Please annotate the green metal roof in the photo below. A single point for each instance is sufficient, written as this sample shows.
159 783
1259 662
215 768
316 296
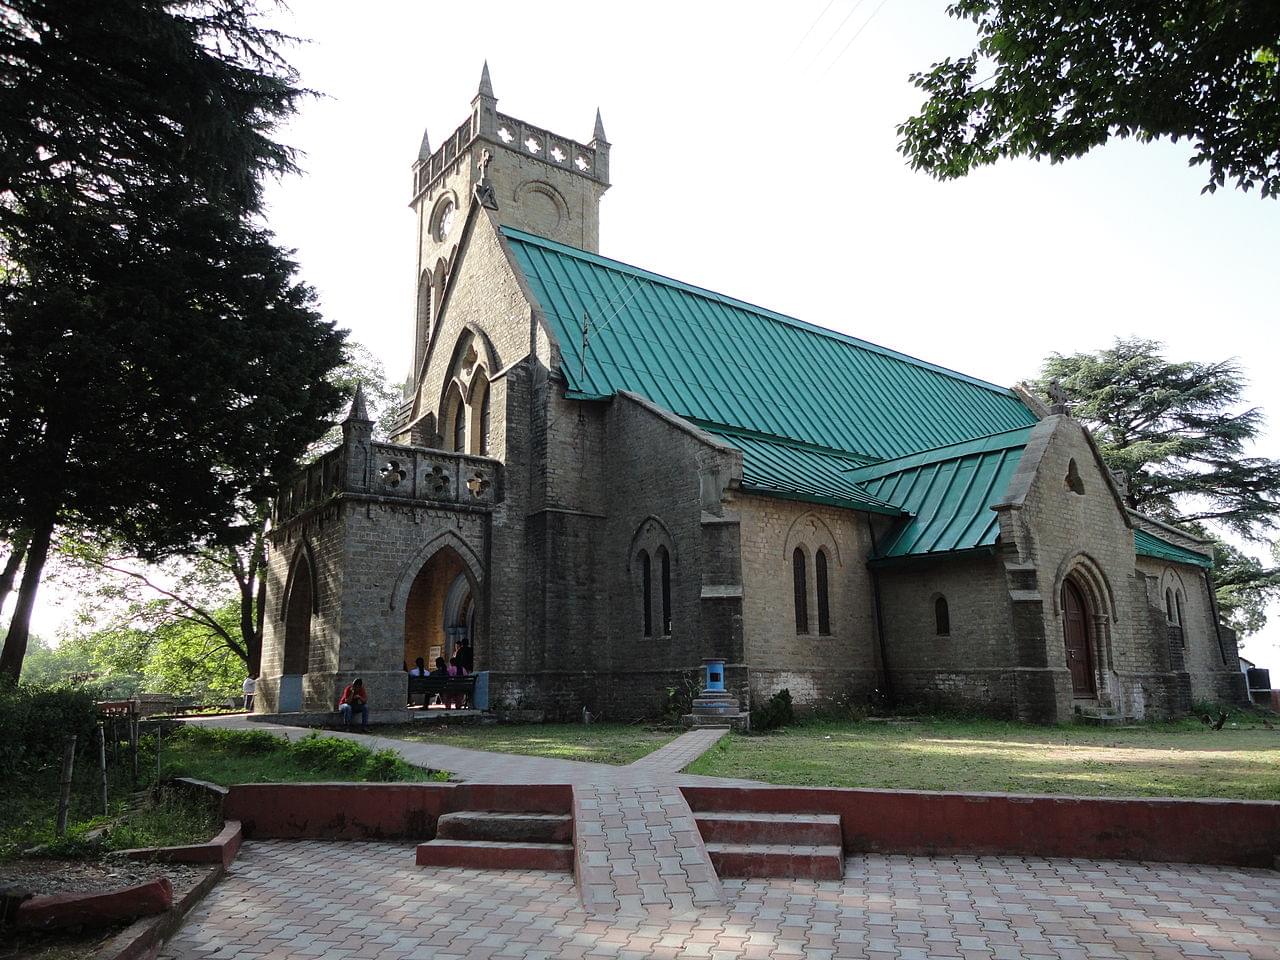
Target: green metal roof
800 472
949 491
1149 545
721 361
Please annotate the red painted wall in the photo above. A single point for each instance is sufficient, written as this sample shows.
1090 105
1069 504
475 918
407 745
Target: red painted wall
375 811
1238 832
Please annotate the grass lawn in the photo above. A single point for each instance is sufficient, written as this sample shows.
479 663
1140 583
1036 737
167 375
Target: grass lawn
616 743
1182 759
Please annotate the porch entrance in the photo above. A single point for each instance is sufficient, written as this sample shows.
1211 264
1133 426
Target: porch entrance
440 615
1075 627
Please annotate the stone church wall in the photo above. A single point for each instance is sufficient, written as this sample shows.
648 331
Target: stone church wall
1211 661
818 670
968 667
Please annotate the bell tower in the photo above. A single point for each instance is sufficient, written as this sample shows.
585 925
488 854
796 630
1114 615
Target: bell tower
536 181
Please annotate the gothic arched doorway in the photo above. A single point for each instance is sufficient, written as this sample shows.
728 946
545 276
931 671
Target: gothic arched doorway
1076 619
297 617
441 609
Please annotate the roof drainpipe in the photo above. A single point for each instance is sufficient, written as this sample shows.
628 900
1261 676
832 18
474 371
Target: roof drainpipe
885 684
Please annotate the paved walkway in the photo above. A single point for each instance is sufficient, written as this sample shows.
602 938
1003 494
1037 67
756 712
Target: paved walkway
310 899
637 848
482 766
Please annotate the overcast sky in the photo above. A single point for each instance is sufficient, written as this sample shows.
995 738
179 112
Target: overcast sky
754 153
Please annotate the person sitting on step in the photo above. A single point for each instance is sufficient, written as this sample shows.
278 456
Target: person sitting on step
355 699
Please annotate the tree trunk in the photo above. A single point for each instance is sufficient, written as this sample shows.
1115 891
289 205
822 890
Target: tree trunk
255 648
11 567
15 642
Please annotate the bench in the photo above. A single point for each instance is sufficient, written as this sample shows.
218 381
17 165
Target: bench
460 689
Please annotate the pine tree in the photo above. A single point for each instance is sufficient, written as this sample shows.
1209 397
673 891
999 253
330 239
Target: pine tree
160 364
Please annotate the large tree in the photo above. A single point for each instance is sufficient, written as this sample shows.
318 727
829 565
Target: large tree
159 361
1177 436
1052 80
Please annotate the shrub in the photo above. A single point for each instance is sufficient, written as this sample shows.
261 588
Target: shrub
243 743
778 712
331 755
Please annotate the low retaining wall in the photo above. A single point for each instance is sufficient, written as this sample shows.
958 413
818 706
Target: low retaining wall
1236 832
375 811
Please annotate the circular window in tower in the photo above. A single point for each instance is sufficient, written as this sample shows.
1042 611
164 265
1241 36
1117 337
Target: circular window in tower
444 220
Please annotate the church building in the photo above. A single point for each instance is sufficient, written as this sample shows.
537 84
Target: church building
604 476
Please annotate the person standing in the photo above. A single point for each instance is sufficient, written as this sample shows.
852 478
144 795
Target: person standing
355 699
250 685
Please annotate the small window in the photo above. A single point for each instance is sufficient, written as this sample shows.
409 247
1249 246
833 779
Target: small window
664 566
1168 605
942 617
646 592
1074 483
801 591
824 605
460 427
1177 610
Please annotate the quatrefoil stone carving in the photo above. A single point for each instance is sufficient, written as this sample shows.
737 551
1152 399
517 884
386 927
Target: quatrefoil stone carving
437 481
392 474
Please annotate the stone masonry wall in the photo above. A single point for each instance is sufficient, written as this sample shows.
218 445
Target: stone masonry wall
968 667
816 669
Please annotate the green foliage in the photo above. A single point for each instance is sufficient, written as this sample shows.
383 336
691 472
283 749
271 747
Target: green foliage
160 364
1176 434
777 712
170 818
236 756
678 699
1051 80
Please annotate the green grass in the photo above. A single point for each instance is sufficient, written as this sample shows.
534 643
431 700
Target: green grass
233 756
1183 759
615 743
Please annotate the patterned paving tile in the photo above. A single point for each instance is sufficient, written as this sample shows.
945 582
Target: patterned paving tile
367 900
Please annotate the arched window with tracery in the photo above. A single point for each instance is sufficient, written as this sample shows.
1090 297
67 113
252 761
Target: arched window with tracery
664 569
646 592
941 617
801 589
824 604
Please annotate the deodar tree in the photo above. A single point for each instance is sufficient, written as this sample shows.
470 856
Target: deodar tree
1053 80
160 364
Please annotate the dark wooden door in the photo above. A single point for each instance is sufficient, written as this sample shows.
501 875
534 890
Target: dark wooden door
1076 630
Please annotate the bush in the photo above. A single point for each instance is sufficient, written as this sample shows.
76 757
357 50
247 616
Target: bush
35 721
778 712
242 743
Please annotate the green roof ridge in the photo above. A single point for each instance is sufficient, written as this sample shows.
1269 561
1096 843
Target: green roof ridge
754 308
729 429
948 451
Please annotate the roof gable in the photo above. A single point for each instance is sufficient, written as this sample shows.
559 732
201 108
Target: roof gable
720 361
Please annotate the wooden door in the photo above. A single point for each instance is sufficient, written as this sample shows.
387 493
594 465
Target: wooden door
1075 626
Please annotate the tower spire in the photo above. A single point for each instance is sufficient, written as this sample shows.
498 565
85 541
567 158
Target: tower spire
424 151
598 133
486 85
359 412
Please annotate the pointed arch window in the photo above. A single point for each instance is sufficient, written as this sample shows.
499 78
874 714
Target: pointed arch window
484 422
1168 605
460 427
941 617
824 604
646 592
801 589
664 569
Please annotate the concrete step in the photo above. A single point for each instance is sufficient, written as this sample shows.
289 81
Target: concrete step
809 829
496 855
792 861
505 826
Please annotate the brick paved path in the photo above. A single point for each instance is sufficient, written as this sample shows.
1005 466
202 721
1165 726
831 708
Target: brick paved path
639 852
366 900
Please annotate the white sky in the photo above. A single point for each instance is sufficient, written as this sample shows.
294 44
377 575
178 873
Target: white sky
757 160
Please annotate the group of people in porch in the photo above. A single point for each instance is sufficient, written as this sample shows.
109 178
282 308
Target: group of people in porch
458 665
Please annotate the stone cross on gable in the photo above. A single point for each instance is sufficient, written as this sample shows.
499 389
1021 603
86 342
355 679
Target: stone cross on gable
485 159
1059 396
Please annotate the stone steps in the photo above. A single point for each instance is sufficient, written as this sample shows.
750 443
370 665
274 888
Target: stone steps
500 840
496 855
503 825
811 829
792 861
792 845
